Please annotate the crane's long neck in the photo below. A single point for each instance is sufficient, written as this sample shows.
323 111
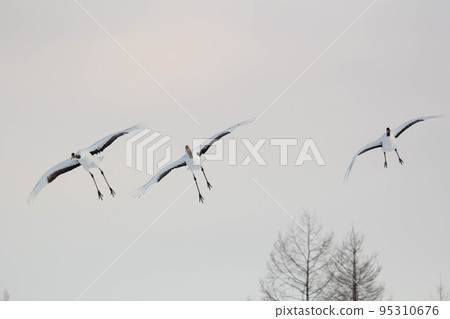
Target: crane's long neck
188 150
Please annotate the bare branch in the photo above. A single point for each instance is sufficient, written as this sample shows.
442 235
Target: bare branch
298 265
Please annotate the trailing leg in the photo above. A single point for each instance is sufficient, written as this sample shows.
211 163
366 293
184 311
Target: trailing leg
207 182
399 159
100 196
200 197
110 189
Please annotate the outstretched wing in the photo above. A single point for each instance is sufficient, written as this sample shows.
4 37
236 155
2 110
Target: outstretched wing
160 175
52 174
368 147
399 130
100 145
204 147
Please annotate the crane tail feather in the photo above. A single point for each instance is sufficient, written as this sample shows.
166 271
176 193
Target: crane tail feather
139 192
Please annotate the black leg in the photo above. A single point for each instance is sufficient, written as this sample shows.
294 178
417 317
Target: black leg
399 159
207 182
110 189
200 197
100 196
385 161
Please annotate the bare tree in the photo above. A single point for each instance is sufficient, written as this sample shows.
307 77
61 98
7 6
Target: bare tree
297 269
441 293
5 295
354 276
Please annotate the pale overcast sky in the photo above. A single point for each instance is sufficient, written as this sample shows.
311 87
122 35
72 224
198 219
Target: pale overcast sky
64 84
